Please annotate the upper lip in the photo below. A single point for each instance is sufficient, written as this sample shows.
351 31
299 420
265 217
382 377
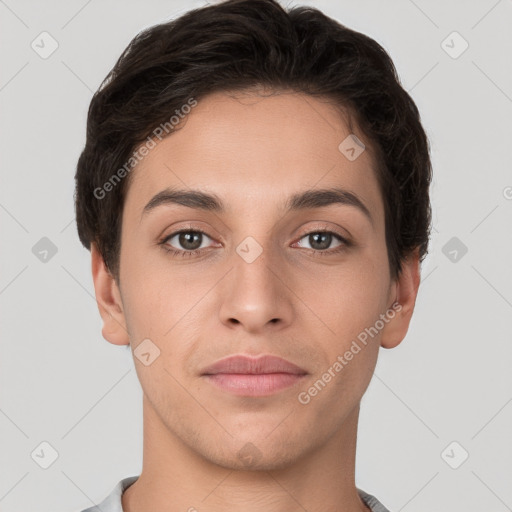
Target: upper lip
250 365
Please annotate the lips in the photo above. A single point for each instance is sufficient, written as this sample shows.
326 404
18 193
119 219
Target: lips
240 364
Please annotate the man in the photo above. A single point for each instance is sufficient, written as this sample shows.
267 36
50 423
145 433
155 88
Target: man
254 191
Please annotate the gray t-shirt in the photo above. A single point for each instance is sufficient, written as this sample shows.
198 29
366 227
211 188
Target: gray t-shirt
112 503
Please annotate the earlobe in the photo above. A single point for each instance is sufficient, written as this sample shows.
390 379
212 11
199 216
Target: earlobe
407 286
109 301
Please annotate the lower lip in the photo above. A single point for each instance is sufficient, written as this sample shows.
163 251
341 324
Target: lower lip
254 385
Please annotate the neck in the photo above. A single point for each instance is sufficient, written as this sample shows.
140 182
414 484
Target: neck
176 478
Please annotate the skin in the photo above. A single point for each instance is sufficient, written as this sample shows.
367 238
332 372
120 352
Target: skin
292 301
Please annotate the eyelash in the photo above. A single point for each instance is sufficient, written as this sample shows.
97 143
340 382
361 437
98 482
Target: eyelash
189 253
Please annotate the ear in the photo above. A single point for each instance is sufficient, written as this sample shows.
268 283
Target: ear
109 301
405 292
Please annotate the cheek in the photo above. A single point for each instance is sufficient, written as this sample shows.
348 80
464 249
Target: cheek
144 302
349 304
348 297
168 307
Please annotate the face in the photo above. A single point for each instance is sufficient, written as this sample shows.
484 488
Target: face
255 273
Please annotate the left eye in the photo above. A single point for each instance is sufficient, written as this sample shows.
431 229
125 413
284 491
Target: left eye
322 239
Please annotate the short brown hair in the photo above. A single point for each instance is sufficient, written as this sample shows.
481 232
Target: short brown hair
235 45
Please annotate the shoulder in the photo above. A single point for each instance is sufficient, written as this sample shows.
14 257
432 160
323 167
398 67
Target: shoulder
372 502
112 502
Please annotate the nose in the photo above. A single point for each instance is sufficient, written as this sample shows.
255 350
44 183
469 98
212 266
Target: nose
256 295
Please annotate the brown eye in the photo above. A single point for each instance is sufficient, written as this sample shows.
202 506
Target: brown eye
186 240
322 240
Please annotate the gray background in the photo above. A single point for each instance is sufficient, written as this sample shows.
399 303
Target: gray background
450 379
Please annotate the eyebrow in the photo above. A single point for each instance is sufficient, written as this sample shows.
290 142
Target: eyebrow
299 201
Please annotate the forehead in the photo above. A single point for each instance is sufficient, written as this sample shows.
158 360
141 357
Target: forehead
256 151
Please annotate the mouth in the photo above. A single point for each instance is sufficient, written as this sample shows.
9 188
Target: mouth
246 376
